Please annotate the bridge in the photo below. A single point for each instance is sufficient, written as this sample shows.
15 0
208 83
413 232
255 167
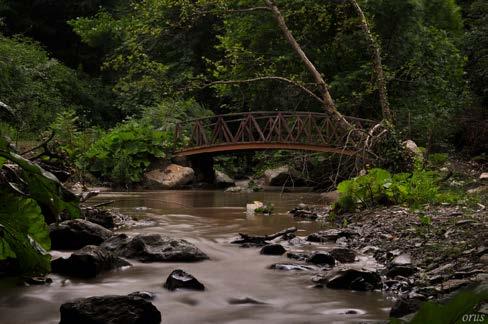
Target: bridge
263 130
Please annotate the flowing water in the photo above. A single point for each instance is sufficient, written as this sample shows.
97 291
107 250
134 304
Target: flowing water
209 219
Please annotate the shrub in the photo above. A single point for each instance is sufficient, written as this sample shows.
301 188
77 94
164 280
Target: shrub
122 154
380 187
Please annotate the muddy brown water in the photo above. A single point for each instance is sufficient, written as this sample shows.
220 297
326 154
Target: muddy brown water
209 219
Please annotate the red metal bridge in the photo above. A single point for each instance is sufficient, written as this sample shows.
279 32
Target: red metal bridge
264 130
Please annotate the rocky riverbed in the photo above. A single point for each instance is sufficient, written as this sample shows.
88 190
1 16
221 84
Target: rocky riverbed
422 254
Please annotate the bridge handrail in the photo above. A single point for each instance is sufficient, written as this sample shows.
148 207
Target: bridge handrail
320 128
272 112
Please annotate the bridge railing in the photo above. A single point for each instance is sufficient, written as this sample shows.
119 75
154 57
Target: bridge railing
263 127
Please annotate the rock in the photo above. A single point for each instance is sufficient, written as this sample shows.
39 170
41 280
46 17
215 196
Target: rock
245 300
173 176
442 269
238 189
291 267
330 197
402 259
181 279
101 217
343 255
451 285
222 180
478 190
412 148
273 249
87 262
354 279
283 176
303 214
484 176
370 249
110 310
77 233
144 294
465 221
322 258
154 248
401 270
38 281
251 208
298 256
405 306
484 259
330 235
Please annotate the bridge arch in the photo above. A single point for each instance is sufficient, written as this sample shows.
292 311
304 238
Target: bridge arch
264 130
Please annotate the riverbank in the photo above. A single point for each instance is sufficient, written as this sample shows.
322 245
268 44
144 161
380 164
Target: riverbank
423 254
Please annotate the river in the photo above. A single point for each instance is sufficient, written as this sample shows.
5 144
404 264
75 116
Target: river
209 219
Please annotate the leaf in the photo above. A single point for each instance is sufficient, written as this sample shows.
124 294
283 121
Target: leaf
463 303
24 233
45 188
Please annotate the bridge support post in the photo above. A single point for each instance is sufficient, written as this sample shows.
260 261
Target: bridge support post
203 165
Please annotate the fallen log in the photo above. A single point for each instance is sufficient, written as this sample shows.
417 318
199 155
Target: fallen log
262 239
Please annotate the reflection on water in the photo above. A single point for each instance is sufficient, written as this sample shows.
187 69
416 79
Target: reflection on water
210 219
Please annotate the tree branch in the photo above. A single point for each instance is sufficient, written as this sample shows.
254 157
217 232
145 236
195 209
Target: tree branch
246 10
257 79
327 100
377 65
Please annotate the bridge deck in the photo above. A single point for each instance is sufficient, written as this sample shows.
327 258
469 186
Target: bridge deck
232 147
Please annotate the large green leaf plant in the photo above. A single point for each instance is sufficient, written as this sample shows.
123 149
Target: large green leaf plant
27 202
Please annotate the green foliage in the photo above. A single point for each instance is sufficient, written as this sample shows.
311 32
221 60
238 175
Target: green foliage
437 160
38 87
425 220
168 112
380 187
462 308
23 233
45 188
266 209
122 154
476 47
71 141
154 49
36 196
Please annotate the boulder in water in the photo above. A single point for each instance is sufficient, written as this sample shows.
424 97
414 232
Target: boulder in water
343 255
181 279
154 248
110 309
353 279
321 258
77 233
87 262
273 249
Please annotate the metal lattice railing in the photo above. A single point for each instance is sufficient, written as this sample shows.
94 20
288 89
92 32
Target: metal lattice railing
272 129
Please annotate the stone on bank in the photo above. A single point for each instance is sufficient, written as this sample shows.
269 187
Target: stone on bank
173 176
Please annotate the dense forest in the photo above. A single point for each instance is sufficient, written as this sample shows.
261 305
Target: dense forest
91 92
103 62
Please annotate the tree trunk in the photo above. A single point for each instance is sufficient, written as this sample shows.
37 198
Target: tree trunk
377 65
328 102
